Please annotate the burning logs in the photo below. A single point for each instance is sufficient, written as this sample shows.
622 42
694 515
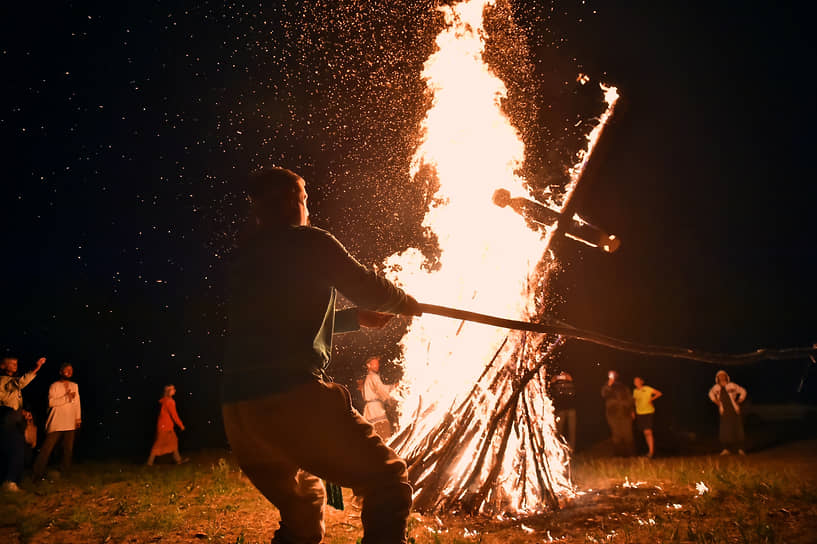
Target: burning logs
462 464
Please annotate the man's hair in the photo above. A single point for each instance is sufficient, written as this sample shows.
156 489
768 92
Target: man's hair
371 358
63 366
273 192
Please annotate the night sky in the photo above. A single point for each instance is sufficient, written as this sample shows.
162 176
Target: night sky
128 130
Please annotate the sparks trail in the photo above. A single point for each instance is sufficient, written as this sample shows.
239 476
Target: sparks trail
554 326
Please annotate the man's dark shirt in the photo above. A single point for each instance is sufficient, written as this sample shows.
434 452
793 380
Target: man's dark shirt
281 308
618 400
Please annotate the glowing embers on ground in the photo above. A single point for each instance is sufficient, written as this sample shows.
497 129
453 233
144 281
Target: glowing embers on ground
477 427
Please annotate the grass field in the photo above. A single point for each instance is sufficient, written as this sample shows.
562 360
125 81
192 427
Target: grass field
765 497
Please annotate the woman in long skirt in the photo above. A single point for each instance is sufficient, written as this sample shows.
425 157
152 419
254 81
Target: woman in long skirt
728 397
166 439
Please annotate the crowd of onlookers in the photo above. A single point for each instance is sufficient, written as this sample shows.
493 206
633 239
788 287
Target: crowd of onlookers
625 407
18 431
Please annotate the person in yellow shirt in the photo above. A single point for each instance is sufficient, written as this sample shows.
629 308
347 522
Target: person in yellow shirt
643 395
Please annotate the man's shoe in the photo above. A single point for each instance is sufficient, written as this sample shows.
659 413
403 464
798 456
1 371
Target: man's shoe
741 452
11 487
725 452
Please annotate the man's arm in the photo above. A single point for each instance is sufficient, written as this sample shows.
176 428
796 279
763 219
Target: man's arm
363 286
171 408
741 393
26 378
58 395
78 408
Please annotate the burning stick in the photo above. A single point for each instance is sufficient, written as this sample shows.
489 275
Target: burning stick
578 229
554 326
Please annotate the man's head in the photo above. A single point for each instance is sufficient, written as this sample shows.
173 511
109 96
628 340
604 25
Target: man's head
638 381
278 197
612 376
373 363
722 377
66 371
9 366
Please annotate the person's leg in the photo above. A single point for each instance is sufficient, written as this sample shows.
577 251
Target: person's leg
18 452
41 462
318 431
362 461
648 437
740 435
67 449
299 496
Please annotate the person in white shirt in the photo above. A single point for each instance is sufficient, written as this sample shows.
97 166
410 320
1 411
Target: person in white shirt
376 394
728 397
64 418
12 421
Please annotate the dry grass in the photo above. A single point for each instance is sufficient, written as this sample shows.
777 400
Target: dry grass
763 498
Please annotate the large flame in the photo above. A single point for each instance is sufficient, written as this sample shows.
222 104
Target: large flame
489 258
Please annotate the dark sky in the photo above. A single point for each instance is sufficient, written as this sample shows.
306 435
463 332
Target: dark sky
129 127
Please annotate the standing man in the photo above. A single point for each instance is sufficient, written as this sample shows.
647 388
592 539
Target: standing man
12 421
643 395
728 397
287 423
619 410
376 394
563 393
64 418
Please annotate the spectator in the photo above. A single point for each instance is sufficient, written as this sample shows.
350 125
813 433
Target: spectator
563 394
728 396
619 411
64 418
12 421
166 439
643 395
376 394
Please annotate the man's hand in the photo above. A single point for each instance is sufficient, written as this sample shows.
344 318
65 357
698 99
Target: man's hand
411 307
39 364
373 320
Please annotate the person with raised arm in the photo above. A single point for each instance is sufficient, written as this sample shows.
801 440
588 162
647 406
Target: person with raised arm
12 421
